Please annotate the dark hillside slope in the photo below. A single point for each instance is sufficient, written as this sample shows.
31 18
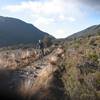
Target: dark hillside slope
14 31
93 30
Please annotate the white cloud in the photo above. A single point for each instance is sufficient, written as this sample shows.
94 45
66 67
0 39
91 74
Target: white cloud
60 33
46 14
47 7
42 21
62 17
72 19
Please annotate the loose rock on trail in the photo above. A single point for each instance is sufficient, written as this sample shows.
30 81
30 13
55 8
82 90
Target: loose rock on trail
37 80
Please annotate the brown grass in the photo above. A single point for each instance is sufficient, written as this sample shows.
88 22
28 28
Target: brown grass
13 61
79 85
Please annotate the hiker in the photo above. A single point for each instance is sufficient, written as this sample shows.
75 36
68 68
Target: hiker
41 47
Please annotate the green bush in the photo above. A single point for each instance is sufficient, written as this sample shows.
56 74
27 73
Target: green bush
93 57
98 33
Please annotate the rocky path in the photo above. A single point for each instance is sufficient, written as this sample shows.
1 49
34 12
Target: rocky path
28 73
37 77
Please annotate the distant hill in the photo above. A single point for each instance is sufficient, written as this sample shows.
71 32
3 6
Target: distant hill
93 30
14 31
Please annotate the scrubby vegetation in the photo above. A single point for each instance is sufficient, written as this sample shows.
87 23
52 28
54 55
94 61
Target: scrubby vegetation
70 70
82 63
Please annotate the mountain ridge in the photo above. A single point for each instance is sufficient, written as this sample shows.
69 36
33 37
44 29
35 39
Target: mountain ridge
92 30
19 32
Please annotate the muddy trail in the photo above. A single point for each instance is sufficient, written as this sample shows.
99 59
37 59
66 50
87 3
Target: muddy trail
38 80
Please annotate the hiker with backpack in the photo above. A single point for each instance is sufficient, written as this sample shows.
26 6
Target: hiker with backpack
41 47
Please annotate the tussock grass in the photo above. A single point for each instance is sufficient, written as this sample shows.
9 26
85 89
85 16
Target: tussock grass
82 79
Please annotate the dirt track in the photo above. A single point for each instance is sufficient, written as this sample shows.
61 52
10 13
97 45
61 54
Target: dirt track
39 80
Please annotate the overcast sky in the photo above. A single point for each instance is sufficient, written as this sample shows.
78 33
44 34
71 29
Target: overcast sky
59 18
